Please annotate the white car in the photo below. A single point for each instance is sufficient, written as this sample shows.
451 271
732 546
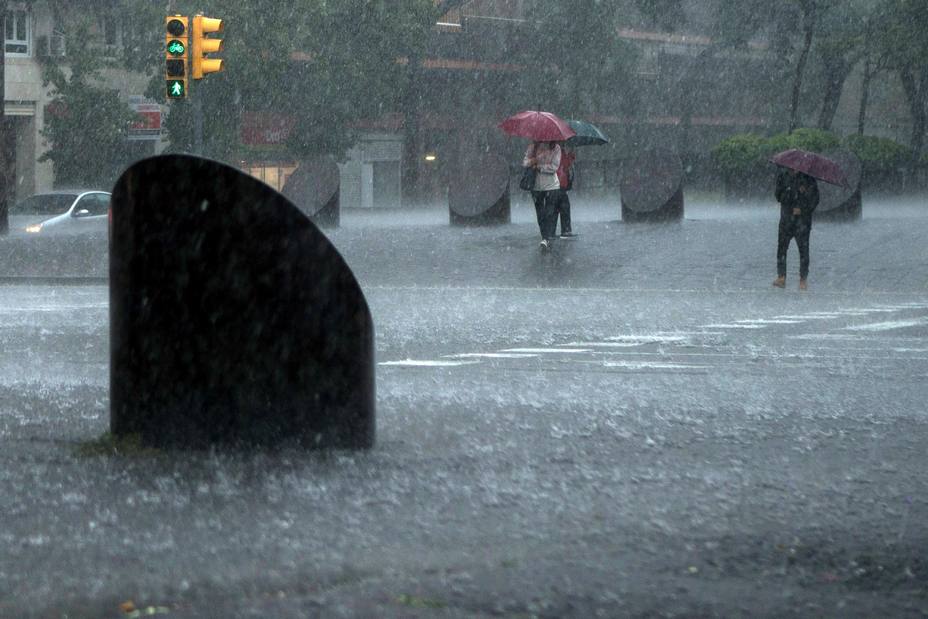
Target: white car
62 212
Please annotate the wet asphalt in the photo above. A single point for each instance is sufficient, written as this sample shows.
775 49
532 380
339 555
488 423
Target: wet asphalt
635 424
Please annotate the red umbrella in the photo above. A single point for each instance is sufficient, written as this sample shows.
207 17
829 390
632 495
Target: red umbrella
813 164
538 126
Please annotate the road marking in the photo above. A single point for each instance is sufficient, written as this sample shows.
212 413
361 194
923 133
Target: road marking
735 326
653 365
770 321
547 351
889 325
648 339
807 317
492 355
435 363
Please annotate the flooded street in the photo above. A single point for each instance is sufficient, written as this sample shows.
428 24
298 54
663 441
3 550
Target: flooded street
635 423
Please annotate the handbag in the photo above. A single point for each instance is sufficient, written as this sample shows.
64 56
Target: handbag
527 182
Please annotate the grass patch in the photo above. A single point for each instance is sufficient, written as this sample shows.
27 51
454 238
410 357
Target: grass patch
129 445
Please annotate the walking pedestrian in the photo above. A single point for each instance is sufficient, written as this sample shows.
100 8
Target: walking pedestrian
565 175
545 158
798 196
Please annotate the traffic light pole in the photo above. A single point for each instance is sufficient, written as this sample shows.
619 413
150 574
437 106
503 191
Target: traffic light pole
197 124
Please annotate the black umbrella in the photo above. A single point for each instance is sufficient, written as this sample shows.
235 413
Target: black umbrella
588 134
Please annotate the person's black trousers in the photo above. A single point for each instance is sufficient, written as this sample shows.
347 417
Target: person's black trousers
791 227
546 211
563 210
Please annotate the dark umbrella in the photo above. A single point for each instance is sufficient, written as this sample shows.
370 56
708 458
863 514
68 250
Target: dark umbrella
537 126
813 164
588 134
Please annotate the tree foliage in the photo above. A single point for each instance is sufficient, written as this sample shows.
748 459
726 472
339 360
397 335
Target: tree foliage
86 123
576 62
325 64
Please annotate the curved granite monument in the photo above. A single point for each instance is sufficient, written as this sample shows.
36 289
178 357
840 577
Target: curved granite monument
233 319
315 189
652 187
478 194
841 203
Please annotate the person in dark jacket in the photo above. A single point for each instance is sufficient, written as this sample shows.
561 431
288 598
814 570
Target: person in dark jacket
797 194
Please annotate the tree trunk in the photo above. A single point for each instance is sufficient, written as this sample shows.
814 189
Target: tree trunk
689 86
7 159
809 16
864 96
836 71
916 91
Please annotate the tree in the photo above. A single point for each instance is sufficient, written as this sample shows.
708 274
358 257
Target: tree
575 63
326 65
903 39
840 47
86 123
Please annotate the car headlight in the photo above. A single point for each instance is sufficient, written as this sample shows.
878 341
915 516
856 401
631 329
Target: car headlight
34 228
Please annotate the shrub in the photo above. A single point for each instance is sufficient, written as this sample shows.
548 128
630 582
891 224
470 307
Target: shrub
879 154
739 153
743 153
814 140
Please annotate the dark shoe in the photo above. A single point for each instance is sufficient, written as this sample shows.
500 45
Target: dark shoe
568 235
780 281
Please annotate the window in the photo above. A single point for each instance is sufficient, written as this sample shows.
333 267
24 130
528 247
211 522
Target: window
17 32
55 42
109 31
94 203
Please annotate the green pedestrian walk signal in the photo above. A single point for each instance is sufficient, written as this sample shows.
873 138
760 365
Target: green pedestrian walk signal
177 89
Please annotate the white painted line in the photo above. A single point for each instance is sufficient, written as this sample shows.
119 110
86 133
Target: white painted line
889 325
769 321
808 317
436 363
647 339
734 326
547 351
844 337
609 344
653 365
491 355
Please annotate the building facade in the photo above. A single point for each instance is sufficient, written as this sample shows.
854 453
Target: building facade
32 35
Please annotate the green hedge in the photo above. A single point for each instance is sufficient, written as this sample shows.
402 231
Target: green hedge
743 154
879 154
739 153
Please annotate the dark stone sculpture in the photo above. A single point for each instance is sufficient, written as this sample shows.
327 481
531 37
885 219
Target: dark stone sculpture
841 203
478 193
652 188
234 321
315 188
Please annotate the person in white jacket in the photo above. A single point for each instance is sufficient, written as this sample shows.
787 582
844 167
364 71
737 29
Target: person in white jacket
545 158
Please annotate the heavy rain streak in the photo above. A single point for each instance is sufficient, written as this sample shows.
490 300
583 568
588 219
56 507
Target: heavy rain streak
463 308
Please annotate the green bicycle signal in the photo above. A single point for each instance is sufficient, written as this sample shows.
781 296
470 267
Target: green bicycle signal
176 48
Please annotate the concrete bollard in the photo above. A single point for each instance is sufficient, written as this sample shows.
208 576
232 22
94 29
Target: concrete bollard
478 193
841 203
315 188
652 188
233 320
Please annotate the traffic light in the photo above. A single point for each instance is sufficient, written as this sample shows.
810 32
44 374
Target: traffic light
175 60
202 45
